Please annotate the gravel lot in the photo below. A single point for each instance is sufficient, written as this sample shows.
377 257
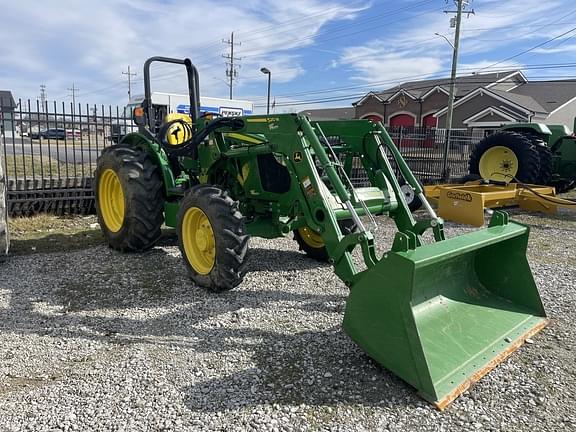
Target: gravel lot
91 339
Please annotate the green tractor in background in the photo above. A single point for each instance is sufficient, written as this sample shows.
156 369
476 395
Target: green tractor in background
439 313
531 153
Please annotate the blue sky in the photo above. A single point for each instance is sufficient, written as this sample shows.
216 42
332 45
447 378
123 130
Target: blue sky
321 53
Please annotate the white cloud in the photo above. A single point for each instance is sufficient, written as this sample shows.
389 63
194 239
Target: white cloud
416 53
90 43
569 48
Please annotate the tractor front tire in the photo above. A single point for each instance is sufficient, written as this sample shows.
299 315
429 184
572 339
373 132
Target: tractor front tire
312 243
506 156
212 238
129 198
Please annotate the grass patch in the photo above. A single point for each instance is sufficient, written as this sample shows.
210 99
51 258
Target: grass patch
20 165
47 233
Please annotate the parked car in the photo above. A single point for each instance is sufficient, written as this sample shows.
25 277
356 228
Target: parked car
73 133
53 134
35 134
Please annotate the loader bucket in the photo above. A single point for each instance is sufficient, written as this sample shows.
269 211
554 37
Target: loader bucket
443 315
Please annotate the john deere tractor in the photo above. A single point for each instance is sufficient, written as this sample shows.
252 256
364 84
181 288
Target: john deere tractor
438 313
532 153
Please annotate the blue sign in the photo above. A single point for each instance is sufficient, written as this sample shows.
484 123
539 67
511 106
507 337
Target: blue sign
224 111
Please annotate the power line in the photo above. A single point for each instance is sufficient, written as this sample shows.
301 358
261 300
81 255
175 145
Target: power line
534 30
369 85
257 53
322 41
283 24
321 34
350 96
355 23
299 20
529 49
427 76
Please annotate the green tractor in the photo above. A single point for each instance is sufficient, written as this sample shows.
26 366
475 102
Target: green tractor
438 313
532 153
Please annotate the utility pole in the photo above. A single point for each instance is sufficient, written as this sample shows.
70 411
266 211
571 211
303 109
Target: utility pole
454 22
73 90
43 96
130 74
231 71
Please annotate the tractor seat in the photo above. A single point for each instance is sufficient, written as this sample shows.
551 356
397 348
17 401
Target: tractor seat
178 133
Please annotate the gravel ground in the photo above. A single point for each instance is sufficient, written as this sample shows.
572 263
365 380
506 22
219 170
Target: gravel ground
91 339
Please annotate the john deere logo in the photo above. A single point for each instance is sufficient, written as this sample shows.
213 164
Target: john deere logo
297 156
402 101
460 196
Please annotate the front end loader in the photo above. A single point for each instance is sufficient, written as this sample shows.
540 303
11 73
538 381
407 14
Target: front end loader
438 314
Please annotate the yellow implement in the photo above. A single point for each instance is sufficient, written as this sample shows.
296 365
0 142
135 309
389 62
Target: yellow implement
465 203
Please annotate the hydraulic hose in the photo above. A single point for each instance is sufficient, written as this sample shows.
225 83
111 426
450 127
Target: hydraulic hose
553 200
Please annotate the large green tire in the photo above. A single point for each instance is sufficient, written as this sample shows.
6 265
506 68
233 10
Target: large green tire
129 198
212 238
527 169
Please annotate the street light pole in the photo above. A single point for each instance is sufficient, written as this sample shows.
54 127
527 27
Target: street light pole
446 39
451 94
266 71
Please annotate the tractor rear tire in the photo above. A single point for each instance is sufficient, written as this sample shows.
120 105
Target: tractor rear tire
546 166
129 198
312 244
528 167
212 238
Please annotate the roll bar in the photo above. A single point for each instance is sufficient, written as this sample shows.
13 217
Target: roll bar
193 88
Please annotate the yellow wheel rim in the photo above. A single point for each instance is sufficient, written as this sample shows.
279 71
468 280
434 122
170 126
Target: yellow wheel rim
111 200
311 237
498 163
198 240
